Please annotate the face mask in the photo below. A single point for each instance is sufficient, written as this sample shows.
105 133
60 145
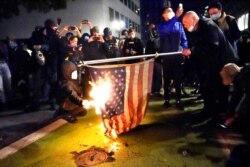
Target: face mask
74 75
86 38
191 28
170 15
215 16
73 45
13 45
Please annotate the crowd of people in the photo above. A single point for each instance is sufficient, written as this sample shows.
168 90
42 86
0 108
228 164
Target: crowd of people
44 67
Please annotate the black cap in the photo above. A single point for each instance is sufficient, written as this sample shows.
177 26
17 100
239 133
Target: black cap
215 4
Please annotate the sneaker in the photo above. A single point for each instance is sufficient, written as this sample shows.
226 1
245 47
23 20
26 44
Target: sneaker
166 104
70 119
179 105
229 121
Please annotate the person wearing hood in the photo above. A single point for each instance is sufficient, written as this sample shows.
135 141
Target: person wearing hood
226 22
71 100
172 39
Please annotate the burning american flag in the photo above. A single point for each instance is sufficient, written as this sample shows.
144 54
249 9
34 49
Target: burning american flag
130 85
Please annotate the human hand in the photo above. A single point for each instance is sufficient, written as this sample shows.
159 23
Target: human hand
186 52
179 10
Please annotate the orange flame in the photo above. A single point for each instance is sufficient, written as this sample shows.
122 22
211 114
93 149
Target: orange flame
100 93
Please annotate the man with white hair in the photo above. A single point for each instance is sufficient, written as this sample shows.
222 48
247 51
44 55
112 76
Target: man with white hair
240 100
212 52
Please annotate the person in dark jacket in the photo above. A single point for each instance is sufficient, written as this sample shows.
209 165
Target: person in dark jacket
240 99
111 43
71 99
153 46
227 23
172 39
213 52
132 46
95 48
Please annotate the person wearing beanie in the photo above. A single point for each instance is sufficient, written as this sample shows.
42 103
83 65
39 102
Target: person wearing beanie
226 22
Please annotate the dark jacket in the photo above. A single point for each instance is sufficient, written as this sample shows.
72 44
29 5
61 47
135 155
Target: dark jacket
71 91
134 44
241 87
95 50
211 47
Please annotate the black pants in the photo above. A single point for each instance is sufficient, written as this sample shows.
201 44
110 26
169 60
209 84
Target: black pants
172 70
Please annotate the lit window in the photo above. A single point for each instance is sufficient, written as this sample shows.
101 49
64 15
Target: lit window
243 21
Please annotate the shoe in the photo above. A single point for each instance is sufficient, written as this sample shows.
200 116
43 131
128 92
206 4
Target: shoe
82 113
179 105
229 121
70 119
166 104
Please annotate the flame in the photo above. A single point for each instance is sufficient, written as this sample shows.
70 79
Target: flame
114 147
100 93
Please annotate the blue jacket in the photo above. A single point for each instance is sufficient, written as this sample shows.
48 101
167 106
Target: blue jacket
172 36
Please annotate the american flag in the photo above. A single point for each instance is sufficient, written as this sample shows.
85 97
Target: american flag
131 85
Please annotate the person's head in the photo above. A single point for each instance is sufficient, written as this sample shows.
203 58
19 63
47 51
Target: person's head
107 32
167 13
124 32
85 37
132 33
73 40
68 35
49 23
151 26
228 73
94 31
69 70
190 20
215 10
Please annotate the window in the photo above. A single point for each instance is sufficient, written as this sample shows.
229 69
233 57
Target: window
117 15
126 22
122 17
111 14
132 6
243 22
121 1
130 24
129 4
139 28
126 2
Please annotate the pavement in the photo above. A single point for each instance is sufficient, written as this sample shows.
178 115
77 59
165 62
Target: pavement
166 137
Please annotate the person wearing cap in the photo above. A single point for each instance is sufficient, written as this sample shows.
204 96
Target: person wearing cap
133 46
240 99
226 22
111 43
212 52
95 48
172 39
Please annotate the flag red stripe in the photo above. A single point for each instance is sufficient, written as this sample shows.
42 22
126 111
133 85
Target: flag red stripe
140 93
130 94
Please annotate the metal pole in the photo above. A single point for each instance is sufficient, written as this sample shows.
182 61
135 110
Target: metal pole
126 58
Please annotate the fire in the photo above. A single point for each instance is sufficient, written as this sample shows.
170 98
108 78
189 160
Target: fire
114 147
100 93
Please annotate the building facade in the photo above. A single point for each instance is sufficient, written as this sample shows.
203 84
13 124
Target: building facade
116 14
